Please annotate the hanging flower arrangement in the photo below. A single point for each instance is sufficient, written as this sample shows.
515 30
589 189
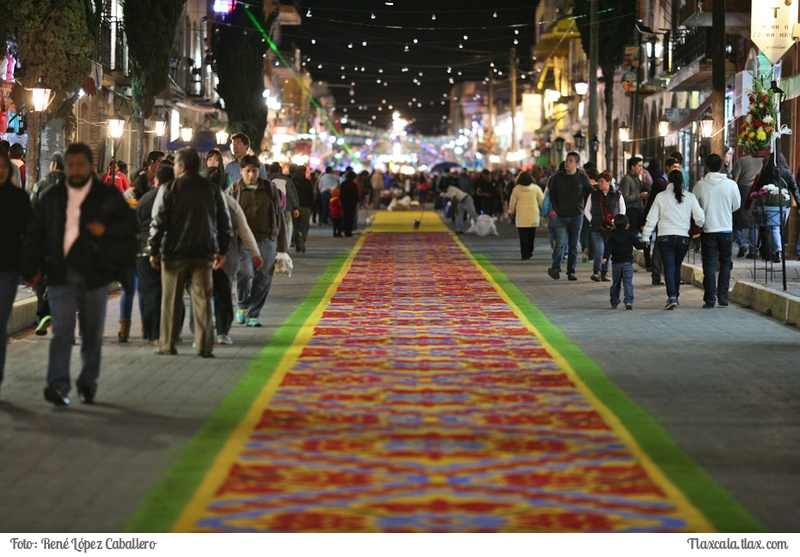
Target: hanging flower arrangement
761 119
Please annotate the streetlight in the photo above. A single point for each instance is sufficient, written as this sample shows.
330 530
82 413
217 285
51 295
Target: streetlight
624 135
41 99
558 144
663 127
186 134
594 145
581 87
161 128
580 141
116 127
222 137
706 126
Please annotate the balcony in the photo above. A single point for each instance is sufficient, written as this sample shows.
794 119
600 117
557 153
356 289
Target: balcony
697 13
691 59
111 50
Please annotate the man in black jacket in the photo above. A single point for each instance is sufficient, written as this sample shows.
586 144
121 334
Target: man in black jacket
82 236
567 193
55 174
189 236
149 278
305 198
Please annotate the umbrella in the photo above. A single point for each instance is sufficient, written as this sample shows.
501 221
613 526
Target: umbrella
444 167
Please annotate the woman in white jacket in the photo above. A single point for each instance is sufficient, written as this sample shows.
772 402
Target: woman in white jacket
673 210
526 200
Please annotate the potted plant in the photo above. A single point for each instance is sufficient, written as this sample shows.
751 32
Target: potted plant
756 132
768 201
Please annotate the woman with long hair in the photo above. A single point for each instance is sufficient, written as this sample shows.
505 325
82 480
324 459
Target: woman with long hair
15 214
673 210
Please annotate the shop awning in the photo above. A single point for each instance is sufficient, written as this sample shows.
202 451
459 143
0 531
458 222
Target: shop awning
693 116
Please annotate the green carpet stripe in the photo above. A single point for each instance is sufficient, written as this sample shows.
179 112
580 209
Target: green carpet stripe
724 513
167 499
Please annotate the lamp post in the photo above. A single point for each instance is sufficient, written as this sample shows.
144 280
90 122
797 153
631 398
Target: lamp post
558 144
41 99
222 138
580 141
624 135
594 145
161 130
663 131
186 134
116 127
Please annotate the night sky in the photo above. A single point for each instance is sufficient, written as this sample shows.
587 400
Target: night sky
412 54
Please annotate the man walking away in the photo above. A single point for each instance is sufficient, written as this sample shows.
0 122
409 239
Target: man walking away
82 236
286 186
149 278
189 237
744 173
567 190
719 197
327 183
305 197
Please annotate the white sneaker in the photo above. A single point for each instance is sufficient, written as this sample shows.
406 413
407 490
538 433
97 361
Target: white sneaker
224 339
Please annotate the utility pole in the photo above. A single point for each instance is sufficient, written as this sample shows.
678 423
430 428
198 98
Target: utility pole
718 74
513 73
594 43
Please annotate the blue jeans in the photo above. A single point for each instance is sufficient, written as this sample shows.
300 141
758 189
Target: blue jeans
252 287
567 228
324 207
598 246
126 300
717 248
751 242
673 249
622 275
773 240
8 291
65 300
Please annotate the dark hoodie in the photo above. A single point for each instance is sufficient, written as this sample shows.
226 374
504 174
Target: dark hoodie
620 244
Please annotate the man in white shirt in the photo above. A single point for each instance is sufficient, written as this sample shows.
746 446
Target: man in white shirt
465 206
719 197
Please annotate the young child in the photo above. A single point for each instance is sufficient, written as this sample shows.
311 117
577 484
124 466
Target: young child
337 213
619 246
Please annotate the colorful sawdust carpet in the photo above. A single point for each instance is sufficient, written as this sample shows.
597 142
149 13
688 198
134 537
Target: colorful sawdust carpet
423 401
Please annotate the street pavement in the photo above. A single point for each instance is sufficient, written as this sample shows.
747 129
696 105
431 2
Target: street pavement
722 382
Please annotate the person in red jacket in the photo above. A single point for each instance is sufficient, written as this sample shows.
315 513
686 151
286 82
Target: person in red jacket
336 212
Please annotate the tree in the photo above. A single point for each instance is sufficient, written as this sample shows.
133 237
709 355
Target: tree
239 49
150 29
54 41
616 23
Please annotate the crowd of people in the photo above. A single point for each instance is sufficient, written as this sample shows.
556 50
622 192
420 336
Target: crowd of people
179 224
212 228
653 208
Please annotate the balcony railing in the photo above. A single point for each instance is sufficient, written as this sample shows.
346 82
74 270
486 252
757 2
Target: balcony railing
694 45
111 50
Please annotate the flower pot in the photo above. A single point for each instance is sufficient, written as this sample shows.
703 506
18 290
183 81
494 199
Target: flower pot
761 152
768 216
